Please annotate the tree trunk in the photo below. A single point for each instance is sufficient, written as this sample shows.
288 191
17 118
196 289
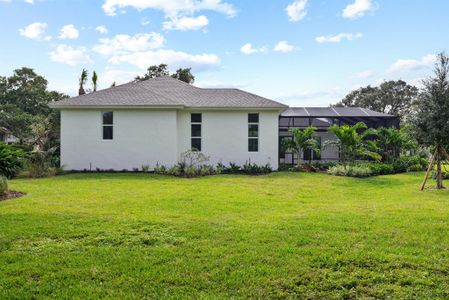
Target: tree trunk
439 173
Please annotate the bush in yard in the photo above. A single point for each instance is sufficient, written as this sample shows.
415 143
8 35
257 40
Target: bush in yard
11 160
359 171
253 169
3 185
38 165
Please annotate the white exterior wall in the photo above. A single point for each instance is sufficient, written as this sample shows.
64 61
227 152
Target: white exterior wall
147 137
141 137
225 136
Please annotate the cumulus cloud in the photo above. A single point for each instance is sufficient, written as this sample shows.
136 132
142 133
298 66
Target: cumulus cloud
296 11
35 31
101 29
170 7
123 43
284 47
179 13
186 23
71 56
338 38
412 64
68 32
174 59
249 49
358 9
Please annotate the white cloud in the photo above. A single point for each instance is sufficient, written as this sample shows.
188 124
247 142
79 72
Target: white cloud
101 29
284 47
29 1
412 64
171 8
338 38
358 9
296 11
215 84
35 31
70 55
365 74
174 59
186 23
123 43
144 21
249 49
68 32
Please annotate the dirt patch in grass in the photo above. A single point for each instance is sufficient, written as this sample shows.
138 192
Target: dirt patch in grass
11 195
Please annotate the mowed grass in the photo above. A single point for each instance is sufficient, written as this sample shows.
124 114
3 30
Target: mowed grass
284 235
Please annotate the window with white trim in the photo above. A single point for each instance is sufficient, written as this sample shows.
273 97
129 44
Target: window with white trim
195 125
108 125
253 132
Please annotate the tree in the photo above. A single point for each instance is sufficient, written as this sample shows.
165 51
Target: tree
352 144
184 75
302 140
82 82
391 97
391 141
94 81
431 121
154 72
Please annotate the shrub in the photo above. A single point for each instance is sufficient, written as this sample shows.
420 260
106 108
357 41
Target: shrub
381 168
145 168
253 169
3 185
39 166
415 168
359 171
160 169
11 160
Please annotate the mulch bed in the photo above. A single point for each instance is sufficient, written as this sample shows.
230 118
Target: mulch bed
11 195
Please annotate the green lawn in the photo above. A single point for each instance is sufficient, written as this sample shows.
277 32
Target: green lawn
285 235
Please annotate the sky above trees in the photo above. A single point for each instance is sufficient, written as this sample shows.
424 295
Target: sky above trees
303 52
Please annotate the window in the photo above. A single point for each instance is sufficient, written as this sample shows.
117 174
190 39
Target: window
253 132
195 123
108 125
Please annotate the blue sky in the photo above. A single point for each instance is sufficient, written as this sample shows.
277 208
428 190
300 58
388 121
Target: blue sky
303 52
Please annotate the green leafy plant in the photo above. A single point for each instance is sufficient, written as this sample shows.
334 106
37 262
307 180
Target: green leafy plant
351 171
145 168
11 160
302 140
352 144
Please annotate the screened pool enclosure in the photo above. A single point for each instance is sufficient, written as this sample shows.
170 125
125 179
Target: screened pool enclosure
322 118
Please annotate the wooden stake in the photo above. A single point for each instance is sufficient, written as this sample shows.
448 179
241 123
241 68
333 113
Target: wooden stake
432 160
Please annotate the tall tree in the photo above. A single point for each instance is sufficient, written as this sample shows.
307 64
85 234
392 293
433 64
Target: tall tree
23 96
82 82
391 97
432 112
184 75
94 81
153 72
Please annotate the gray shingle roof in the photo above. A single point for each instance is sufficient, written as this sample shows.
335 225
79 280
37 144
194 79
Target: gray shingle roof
332 112
166 91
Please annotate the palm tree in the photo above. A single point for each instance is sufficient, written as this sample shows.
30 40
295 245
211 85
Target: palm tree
302 140
392 140
82 81
94 81
352 144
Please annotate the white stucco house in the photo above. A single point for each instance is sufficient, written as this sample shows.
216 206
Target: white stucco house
152 122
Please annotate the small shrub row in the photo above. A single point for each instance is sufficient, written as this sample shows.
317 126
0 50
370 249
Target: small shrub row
359 171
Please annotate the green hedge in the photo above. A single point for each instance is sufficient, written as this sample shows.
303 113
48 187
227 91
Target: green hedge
11 160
